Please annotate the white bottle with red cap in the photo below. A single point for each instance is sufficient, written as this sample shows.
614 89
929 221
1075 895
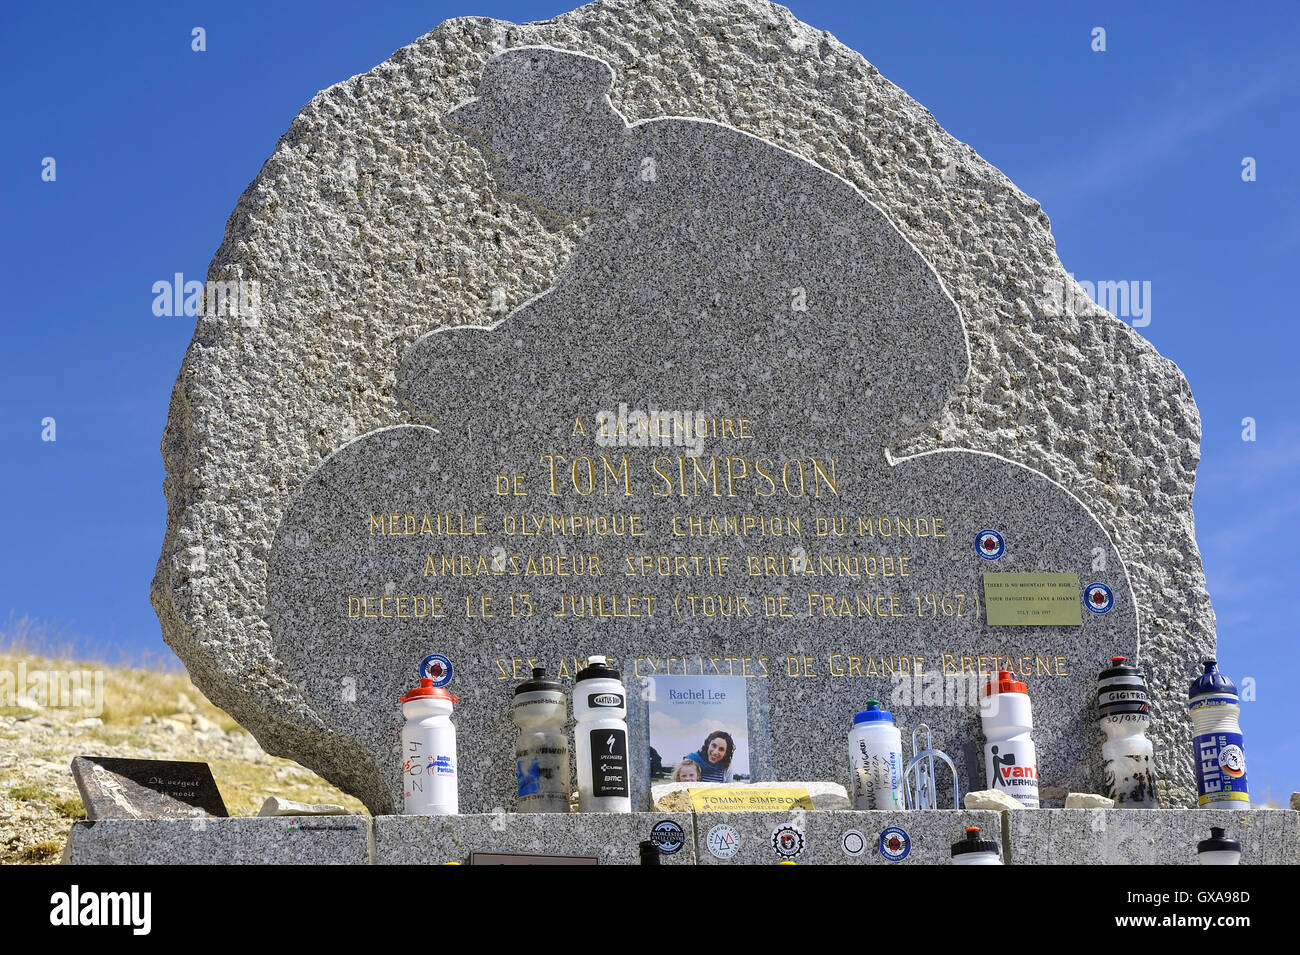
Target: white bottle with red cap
1010 763
428 752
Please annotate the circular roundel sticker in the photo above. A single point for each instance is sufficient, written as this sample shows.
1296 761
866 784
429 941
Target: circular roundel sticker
989 544
1098 598
1232 760
667 835
787 841
437 668
722 841
853 842
895 844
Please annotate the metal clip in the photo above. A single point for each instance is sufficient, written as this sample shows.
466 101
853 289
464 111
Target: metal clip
925 795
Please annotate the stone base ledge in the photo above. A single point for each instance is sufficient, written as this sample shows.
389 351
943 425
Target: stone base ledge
614 837
829 837
241 840
1148 836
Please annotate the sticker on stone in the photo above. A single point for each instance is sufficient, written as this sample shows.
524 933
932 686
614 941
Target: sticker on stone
787 841
989 544
437 668
1098 598
667 835
722 841
853 842
895 844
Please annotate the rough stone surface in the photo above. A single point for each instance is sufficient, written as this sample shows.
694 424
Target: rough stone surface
990 799
1295 800
1088 801
931 835
113 788
243 840
373 222
676 797
857 341
275 806
1148 836
614 837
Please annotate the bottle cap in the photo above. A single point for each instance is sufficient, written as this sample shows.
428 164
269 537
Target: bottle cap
1119 667
596 669
1216 842
427 691
539 684
973 843
874 714
1005 683
1211 681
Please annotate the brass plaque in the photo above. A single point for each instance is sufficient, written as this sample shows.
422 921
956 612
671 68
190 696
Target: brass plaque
1033 600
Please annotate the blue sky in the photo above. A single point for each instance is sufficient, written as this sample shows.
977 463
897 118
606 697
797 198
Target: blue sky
1134 153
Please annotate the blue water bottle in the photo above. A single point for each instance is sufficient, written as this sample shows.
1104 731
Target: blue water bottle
1217 744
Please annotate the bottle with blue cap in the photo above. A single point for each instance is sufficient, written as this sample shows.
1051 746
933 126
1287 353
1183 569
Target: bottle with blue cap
876 760
1217 746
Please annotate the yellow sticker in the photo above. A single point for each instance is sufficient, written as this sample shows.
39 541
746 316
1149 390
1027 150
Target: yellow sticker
748 799
1033 600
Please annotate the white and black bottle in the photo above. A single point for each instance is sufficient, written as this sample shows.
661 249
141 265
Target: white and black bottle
600 711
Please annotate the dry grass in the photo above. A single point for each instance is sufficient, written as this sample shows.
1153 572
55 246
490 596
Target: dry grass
146 713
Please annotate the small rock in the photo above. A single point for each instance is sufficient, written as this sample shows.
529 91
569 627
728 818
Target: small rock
174 726
1295 800
277 806
88 723
990 799
185 704
182 717
203 725
1088 801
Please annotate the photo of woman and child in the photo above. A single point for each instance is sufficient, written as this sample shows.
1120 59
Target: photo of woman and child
687 709
711 763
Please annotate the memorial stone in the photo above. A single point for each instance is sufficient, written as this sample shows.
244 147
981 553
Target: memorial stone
677 457
709 395
145 788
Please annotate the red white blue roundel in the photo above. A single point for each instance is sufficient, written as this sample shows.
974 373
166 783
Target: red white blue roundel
989 545
437 668
895 844
1098 598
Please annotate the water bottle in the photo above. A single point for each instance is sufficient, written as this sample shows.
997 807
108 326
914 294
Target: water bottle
1010 762
1217 850
542 750
1127 754
600 709
876 760
428 752
1217 744
973 850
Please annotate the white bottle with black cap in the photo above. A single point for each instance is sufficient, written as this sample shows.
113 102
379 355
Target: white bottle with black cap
542 749
975 851
1217 850
600 710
